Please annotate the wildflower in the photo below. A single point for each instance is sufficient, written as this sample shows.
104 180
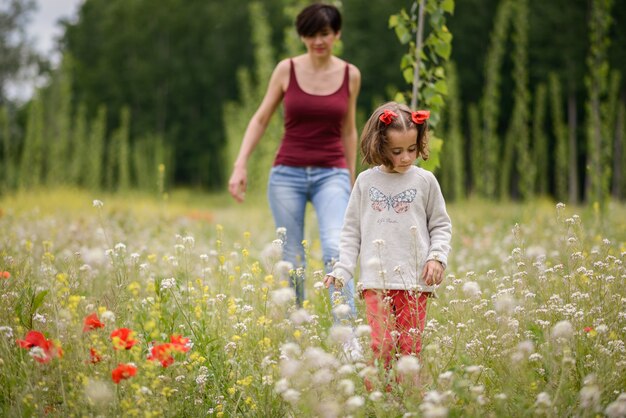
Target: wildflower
346 386
92 322
164 352
5 274
98 392
183 343
291 395
562 329
94 356
283 296
108 316
123 338
590 331
504 304
617 408
123 371
471 289
168 283
376 396
41 349
355 402
98 203
342 311
408 365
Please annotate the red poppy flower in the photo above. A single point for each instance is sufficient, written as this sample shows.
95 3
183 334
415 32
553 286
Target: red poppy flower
588 329
123 338
94 356
420 116
162 353
123 371
5 275
181 342
47 350
388 116
92 322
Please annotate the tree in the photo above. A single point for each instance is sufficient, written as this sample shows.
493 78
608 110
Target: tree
15 52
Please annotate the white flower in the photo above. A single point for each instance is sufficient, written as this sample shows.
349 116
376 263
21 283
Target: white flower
342 311
340 333
590 397
376 396
290 350
97 203
108 316
281 386
291 395
363 330
562 329
543 400
355 402
408 365
471 289
504 304
168 283
346 386
98 392
300 316
445 378
283 296
617 408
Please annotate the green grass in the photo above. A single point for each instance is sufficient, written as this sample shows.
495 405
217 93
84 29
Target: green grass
203 267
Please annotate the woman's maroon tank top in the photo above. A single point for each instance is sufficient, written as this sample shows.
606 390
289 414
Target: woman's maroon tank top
313 126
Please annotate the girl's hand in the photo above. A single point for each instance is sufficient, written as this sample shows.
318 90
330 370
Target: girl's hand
328 280
433 273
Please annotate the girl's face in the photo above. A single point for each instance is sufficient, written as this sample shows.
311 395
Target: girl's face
402 149
321 43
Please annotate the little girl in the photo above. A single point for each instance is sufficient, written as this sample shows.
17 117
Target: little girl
397 225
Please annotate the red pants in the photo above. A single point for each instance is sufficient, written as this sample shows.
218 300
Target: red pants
397 319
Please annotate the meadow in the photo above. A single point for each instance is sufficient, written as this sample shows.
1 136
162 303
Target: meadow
130 305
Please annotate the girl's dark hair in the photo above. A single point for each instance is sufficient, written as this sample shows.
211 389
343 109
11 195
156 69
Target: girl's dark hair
374 135
316 17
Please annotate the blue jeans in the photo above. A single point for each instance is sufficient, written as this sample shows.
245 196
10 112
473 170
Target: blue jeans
328 189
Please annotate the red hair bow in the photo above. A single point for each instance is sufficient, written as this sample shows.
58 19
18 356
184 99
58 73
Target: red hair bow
420 116
388 116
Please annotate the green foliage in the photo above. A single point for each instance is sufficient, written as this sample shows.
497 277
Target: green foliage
520 119
598 140
96 155
32 158
79 149
561 152
475 150
423 66
453 167
57 110
237 115
490 103
540 140
8 152
619 168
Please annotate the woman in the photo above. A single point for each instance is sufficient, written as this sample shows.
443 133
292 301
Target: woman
317 156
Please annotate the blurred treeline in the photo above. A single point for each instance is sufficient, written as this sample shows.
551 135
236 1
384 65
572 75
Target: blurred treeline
152 92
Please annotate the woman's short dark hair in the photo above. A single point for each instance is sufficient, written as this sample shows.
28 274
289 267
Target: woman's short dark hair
316 17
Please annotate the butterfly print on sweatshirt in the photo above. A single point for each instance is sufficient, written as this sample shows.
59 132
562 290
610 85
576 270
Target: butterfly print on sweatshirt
400 202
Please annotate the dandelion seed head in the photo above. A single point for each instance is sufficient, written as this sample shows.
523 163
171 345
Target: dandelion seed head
408 365
283 296
300 317
98 203
291 395
342 311
340 333
98 393
471 289
355 402
562 329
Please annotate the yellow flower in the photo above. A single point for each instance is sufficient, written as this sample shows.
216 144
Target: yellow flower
133 288
152 258
305 304
246 381
231 391
269 280
235 338
297 334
